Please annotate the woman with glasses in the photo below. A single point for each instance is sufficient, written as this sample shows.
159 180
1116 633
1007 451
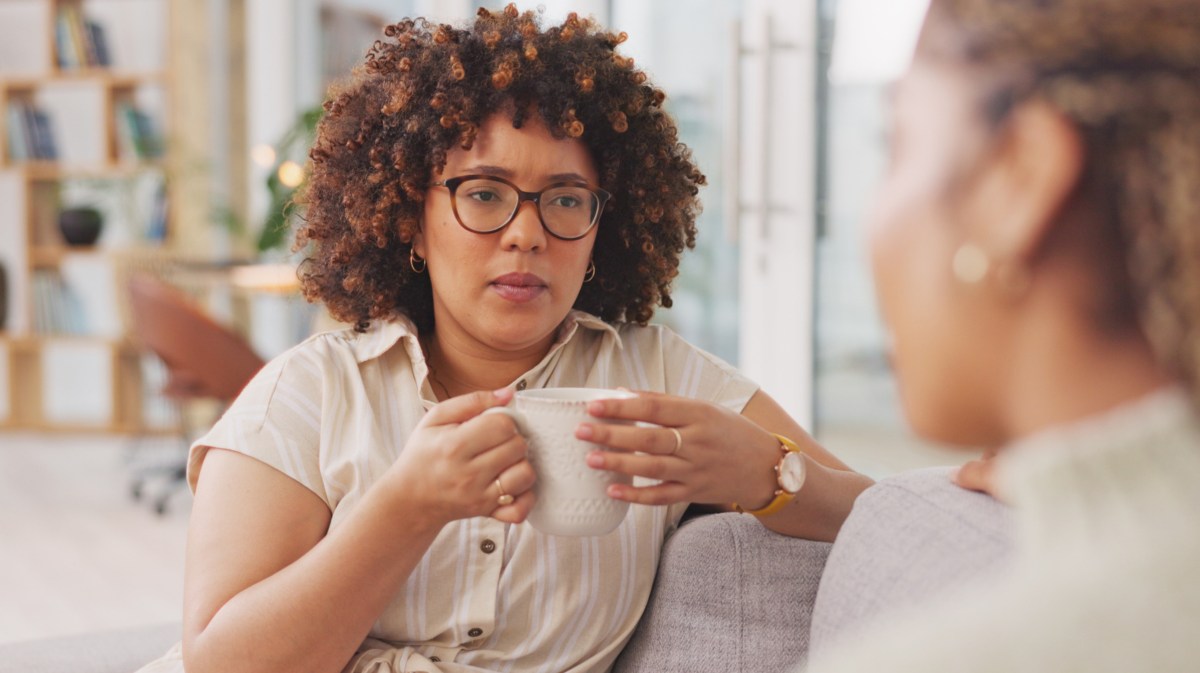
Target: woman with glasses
496 207
1036 248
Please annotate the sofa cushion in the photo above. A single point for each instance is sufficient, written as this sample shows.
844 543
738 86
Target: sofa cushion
730 596
908 538
101 652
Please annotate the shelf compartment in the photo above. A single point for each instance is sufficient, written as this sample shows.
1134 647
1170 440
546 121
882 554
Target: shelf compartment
106 77
51 256
49 171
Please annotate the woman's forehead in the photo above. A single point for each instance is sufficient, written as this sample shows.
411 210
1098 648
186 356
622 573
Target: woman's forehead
530 151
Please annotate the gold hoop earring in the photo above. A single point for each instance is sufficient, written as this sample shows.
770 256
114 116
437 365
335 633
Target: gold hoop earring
590 273
970 264
414 259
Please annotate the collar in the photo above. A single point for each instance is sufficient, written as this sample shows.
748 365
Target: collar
1131 470
382 335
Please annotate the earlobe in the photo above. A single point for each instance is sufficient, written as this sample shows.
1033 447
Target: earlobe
418 244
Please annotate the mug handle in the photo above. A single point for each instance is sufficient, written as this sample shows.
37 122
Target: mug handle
517 417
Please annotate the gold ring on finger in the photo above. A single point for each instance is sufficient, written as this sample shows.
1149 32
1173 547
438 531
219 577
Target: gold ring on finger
505 499
678 441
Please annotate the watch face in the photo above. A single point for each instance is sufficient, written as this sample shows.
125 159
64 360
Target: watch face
791 472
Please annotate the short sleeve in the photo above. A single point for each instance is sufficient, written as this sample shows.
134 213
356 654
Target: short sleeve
276 420
689 371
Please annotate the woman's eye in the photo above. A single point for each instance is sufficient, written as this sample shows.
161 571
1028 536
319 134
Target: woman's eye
565 202
484 196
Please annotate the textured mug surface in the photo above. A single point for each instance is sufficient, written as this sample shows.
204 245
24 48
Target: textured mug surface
571 497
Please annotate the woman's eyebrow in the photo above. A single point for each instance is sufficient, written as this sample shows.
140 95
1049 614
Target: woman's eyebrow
484 169
566 177
501 172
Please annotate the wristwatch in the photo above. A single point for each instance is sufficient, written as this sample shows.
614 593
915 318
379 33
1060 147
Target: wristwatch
789 476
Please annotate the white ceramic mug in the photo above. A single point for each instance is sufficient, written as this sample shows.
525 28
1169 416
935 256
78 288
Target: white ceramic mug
571 497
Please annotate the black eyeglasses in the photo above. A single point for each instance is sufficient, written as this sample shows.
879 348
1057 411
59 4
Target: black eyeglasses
486 204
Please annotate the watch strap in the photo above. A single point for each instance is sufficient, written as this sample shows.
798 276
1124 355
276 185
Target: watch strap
782 497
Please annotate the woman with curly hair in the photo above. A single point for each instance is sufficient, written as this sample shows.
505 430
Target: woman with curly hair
492 207
1036 248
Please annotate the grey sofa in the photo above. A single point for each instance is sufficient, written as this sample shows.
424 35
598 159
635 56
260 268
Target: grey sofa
730 596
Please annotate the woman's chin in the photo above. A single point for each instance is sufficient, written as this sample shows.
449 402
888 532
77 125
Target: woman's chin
940 423
515 332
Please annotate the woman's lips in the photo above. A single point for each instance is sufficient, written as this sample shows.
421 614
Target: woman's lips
519 287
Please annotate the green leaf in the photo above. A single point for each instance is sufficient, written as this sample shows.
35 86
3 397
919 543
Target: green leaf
275 231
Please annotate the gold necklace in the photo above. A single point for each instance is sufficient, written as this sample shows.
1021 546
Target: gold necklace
433 378
436 380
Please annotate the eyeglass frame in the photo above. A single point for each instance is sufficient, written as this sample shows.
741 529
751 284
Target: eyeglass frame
452 184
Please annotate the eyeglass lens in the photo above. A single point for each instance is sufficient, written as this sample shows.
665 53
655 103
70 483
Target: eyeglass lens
486 205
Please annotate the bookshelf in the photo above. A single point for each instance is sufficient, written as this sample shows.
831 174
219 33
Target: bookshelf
87 93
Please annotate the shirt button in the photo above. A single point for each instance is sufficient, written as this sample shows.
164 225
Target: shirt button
475 632
488 546
521 385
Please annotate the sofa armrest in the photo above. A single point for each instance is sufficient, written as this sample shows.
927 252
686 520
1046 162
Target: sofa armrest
909 538
730 596
120 651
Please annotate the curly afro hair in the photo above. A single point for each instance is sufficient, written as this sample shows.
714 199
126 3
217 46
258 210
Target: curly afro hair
425 90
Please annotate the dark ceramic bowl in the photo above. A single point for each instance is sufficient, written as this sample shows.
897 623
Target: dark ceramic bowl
80 226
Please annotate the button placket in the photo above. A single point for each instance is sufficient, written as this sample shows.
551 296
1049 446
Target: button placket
439 654
487 564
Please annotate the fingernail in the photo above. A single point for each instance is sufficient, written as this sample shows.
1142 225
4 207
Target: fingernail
584 431
595 459
615 491
500 393
596 408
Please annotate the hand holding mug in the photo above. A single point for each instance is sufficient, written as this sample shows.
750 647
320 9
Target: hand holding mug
460 463
698 451
570 498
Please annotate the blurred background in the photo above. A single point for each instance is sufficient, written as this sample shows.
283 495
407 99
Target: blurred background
160 141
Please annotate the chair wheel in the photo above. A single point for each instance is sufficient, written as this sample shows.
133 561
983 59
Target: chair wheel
135 491
160 507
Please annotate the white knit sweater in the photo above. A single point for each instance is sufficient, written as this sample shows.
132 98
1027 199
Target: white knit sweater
1107 569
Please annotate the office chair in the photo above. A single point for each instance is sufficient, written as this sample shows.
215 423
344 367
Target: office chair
203 360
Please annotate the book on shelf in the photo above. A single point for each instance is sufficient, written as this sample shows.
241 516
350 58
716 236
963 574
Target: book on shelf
137 135
99 44
156 225
18 141
79 41
57 309
44 146
64 46
30 133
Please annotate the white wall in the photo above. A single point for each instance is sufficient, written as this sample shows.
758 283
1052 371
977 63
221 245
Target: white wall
778 180
271 84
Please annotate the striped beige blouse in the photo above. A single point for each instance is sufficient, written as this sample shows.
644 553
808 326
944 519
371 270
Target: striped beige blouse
334 413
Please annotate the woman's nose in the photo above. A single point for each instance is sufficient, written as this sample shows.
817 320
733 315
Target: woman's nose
525 232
